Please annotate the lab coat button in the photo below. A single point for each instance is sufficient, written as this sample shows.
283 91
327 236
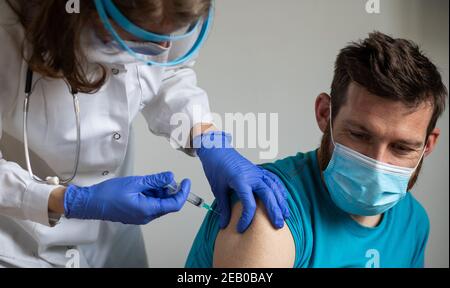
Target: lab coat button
115 71
117 136
105 173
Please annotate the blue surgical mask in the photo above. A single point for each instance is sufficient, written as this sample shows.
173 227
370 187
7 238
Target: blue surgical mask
97 51
360 185
146 48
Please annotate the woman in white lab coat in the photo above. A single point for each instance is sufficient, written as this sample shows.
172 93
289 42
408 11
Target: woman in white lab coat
114 75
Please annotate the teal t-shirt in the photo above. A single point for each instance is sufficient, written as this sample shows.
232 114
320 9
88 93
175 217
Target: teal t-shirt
324 235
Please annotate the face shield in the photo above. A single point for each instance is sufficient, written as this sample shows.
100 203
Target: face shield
183 44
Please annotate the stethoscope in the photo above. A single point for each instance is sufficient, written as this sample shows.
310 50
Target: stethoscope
51 180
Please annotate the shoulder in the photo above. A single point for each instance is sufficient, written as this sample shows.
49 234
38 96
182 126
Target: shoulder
294 167
12 33
7 15
261 246
300 174
11 38
11 62
416 209
415 214
421 216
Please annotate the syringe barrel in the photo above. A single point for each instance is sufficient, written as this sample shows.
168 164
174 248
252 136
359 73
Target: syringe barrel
195 200
192 198
173 188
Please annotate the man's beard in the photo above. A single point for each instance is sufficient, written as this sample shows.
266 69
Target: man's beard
326 152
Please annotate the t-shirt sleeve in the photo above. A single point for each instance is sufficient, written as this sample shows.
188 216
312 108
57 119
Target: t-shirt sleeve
298 215
202 250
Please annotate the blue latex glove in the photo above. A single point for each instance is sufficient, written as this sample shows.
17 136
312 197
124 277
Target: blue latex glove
227 170
130 200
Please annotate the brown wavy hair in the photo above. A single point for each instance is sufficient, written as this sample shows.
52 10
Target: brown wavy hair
391 68
54 35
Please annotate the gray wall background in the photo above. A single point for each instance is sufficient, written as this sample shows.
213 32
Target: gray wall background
277 56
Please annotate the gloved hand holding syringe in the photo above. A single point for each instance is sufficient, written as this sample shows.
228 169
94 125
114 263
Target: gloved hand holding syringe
192 198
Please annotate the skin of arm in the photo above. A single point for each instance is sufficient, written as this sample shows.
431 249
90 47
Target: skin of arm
261 246
56 201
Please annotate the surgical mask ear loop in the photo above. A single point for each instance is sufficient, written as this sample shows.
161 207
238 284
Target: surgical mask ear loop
421 157
331 123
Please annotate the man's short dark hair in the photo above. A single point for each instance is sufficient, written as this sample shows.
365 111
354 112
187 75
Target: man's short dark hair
394 69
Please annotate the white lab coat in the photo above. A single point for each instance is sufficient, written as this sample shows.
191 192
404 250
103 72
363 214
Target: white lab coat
26 238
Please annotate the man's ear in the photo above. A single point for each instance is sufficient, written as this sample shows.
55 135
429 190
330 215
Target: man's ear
432 141
322 109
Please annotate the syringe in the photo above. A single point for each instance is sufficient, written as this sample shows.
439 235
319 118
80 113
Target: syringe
192 198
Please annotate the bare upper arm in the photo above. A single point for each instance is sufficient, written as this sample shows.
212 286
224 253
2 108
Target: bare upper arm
259 247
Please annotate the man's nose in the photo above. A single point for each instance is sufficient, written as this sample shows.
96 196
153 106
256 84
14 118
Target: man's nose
378 152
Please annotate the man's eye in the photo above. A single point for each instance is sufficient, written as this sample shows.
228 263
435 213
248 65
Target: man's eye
357 135
402 149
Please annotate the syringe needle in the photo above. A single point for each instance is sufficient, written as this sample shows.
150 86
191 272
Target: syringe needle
192 198
209 208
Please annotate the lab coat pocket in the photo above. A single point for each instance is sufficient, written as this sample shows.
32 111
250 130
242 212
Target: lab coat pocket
69 232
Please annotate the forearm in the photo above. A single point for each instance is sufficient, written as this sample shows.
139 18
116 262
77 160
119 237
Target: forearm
201 129
56 201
